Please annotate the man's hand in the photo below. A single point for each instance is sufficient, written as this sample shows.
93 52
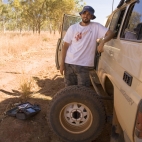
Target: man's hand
62 68
100 47
64 51
108 36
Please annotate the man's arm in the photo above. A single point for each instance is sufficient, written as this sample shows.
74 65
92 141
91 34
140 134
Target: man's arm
64 51
108 36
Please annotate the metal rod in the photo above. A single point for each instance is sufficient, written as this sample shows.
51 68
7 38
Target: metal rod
112 4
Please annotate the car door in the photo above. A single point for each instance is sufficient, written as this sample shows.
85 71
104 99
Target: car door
121 60
68 20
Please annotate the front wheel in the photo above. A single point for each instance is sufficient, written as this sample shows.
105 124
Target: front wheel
76 114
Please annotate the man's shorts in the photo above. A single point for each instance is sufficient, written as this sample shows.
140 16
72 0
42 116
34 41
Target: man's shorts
76 75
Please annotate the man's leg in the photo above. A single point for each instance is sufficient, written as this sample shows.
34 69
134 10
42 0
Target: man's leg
70 77
83 75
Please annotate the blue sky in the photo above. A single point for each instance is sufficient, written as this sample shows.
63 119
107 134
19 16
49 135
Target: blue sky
102 8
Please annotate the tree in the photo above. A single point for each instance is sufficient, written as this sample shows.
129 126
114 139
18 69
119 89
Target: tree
4 15
38 14
134 20
56 9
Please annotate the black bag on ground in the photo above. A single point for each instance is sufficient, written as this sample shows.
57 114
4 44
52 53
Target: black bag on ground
24 111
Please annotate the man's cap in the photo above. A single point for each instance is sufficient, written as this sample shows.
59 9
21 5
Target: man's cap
89 9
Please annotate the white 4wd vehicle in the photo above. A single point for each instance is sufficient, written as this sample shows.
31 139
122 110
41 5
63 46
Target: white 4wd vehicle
79 114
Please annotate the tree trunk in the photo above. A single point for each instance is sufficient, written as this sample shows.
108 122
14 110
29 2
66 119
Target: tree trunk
33 29
4 29
20 30
50 28
39 29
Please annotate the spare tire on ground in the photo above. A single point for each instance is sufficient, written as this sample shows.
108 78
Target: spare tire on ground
76 114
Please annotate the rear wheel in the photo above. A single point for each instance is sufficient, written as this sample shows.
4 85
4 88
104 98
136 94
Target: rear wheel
76 114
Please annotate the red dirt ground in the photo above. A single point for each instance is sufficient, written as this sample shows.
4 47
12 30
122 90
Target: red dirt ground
38 64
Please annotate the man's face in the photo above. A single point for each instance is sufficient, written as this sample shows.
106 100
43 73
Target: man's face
86 17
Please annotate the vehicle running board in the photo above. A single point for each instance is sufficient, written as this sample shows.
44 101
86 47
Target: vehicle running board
94 77
98 87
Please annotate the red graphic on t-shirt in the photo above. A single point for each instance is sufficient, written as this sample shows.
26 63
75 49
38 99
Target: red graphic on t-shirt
79 35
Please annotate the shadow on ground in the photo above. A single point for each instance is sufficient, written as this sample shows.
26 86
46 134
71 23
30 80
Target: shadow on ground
49 86
34 129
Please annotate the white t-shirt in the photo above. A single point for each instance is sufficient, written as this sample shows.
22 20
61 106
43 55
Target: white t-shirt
82 40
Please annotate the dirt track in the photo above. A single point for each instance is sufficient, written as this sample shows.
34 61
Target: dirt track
38 64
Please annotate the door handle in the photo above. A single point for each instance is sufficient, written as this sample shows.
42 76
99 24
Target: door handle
111 53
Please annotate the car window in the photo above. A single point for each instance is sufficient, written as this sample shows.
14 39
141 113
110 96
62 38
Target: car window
133 25
116 21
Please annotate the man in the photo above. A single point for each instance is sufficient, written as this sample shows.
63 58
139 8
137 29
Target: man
79 48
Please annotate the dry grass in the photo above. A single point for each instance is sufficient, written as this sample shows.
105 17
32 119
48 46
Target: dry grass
26 87
14 44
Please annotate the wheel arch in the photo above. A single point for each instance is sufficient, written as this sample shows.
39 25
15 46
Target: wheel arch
108 86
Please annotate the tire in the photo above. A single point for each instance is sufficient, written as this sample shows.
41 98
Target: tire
76 114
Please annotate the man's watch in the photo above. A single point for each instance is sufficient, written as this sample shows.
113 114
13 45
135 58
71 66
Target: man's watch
103 39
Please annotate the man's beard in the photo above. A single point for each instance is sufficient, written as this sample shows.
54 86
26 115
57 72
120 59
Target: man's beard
86 22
